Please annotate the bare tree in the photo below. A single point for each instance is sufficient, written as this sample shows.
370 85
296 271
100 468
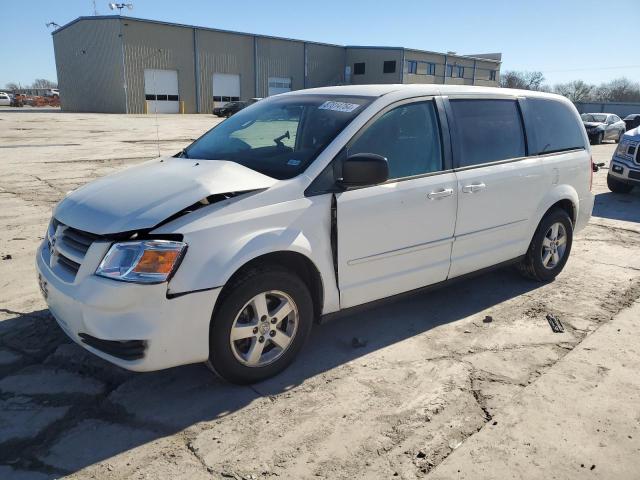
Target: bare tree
619 90
523 80
11 86
43 83
576 91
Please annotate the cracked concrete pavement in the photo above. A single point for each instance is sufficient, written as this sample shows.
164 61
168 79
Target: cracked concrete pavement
437 370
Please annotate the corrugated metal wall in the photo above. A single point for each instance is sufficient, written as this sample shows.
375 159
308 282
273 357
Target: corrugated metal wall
220 52
279 58
93 74
325 65
89 65
148 45
374 59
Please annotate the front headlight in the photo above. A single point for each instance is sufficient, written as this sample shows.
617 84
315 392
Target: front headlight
143 261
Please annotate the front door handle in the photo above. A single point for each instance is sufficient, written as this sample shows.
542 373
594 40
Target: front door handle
445 192
473 188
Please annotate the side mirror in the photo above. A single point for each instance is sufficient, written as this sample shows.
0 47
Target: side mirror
364 169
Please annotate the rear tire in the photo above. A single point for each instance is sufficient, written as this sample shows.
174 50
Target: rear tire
619 137
616 186
550 247
598 138
248 312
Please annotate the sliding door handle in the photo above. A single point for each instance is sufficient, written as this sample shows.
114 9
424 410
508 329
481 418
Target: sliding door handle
445 192
473 188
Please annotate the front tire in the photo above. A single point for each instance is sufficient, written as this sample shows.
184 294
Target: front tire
616 186
619 137
550 247
260 325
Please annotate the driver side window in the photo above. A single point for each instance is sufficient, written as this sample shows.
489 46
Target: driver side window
408 136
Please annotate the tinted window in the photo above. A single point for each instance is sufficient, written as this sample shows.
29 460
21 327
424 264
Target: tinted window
358 68
487 131
556 126
407 136
389 66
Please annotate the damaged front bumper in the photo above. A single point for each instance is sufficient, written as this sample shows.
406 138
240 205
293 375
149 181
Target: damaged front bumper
131 325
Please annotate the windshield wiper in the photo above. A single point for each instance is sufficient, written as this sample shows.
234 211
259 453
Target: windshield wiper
182 154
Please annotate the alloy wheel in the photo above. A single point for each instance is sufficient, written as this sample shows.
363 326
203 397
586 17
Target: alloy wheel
264 328
554 246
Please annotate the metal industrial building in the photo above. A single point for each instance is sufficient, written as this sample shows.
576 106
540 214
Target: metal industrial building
127 65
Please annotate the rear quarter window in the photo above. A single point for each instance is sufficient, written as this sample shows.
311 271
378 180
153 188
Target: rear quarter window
556 125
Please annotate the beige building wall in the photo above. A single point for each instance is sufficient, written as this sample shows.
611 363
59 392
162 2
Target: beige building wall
221 52
325 65
374 59
89 66
483 73
279 58
423 58
158 46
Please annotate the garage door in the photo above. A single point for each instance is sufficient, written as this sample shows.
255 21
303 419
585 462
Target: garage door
226 88
279 85
161 91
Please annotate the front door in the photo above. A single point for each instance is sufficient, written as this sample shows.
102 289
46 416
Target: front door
397 236
499 187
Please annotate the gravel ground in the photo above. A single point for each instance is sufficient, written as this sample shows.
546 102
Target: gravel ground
432 370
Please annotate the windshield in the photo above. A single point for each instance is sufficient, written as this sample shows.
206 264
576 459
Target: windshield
590 117
279 137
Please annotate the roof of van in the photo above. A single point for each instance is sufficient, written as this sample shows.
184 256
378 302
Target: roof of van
421 89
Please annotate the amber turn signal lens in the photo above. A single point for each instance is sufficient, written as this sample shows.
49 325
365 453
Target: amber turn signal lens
157 261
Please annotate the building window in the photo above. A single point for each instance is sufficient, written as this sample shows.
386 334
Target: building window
492 75
389 66
412 66
358 68
460 72
449 72
431 68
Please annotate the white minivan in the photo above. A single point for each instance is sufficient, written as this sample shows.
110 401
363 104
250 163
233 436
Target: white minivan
310 203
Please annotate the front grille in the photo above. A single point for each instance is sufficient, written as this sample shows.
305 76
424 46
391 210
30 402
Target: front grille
69 245
124 349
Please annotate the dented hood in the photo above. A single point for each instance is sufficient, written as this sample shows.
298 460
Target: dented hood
141 197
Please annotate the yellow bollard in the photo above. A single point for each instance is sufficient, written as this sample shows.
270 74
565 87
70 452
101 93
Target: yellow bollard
182 106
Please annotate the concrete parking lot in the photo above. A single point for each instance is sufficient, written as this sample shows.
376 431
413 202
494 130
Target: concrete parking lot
468 381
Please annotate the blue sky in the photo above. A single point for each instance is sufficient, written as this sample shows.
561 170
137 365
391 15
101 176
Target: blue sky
566 39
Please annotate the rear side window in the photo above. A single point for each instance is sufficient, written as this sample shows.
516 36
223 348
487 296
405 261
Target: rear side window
487 131
556 125
408 136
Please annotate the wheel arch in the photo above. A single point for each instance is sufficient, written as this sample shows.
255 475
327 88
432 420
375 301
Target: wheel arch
564 197
294 261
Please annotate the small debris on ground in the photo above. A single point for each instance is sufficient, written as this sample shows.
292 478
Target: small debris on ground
357 342
555 323
487 319
7 257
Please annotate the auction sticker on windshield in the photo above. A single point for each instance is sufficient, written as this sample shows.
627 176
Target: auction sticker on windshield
338 106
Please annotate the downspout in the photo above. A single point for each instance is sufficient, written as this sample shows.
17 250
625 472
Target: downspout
402 67
306 65
196 68
255 66
124 69
444 77
474 72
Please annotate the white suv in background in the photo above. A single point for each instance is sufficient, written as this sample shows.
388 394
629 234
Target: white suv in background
310 203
